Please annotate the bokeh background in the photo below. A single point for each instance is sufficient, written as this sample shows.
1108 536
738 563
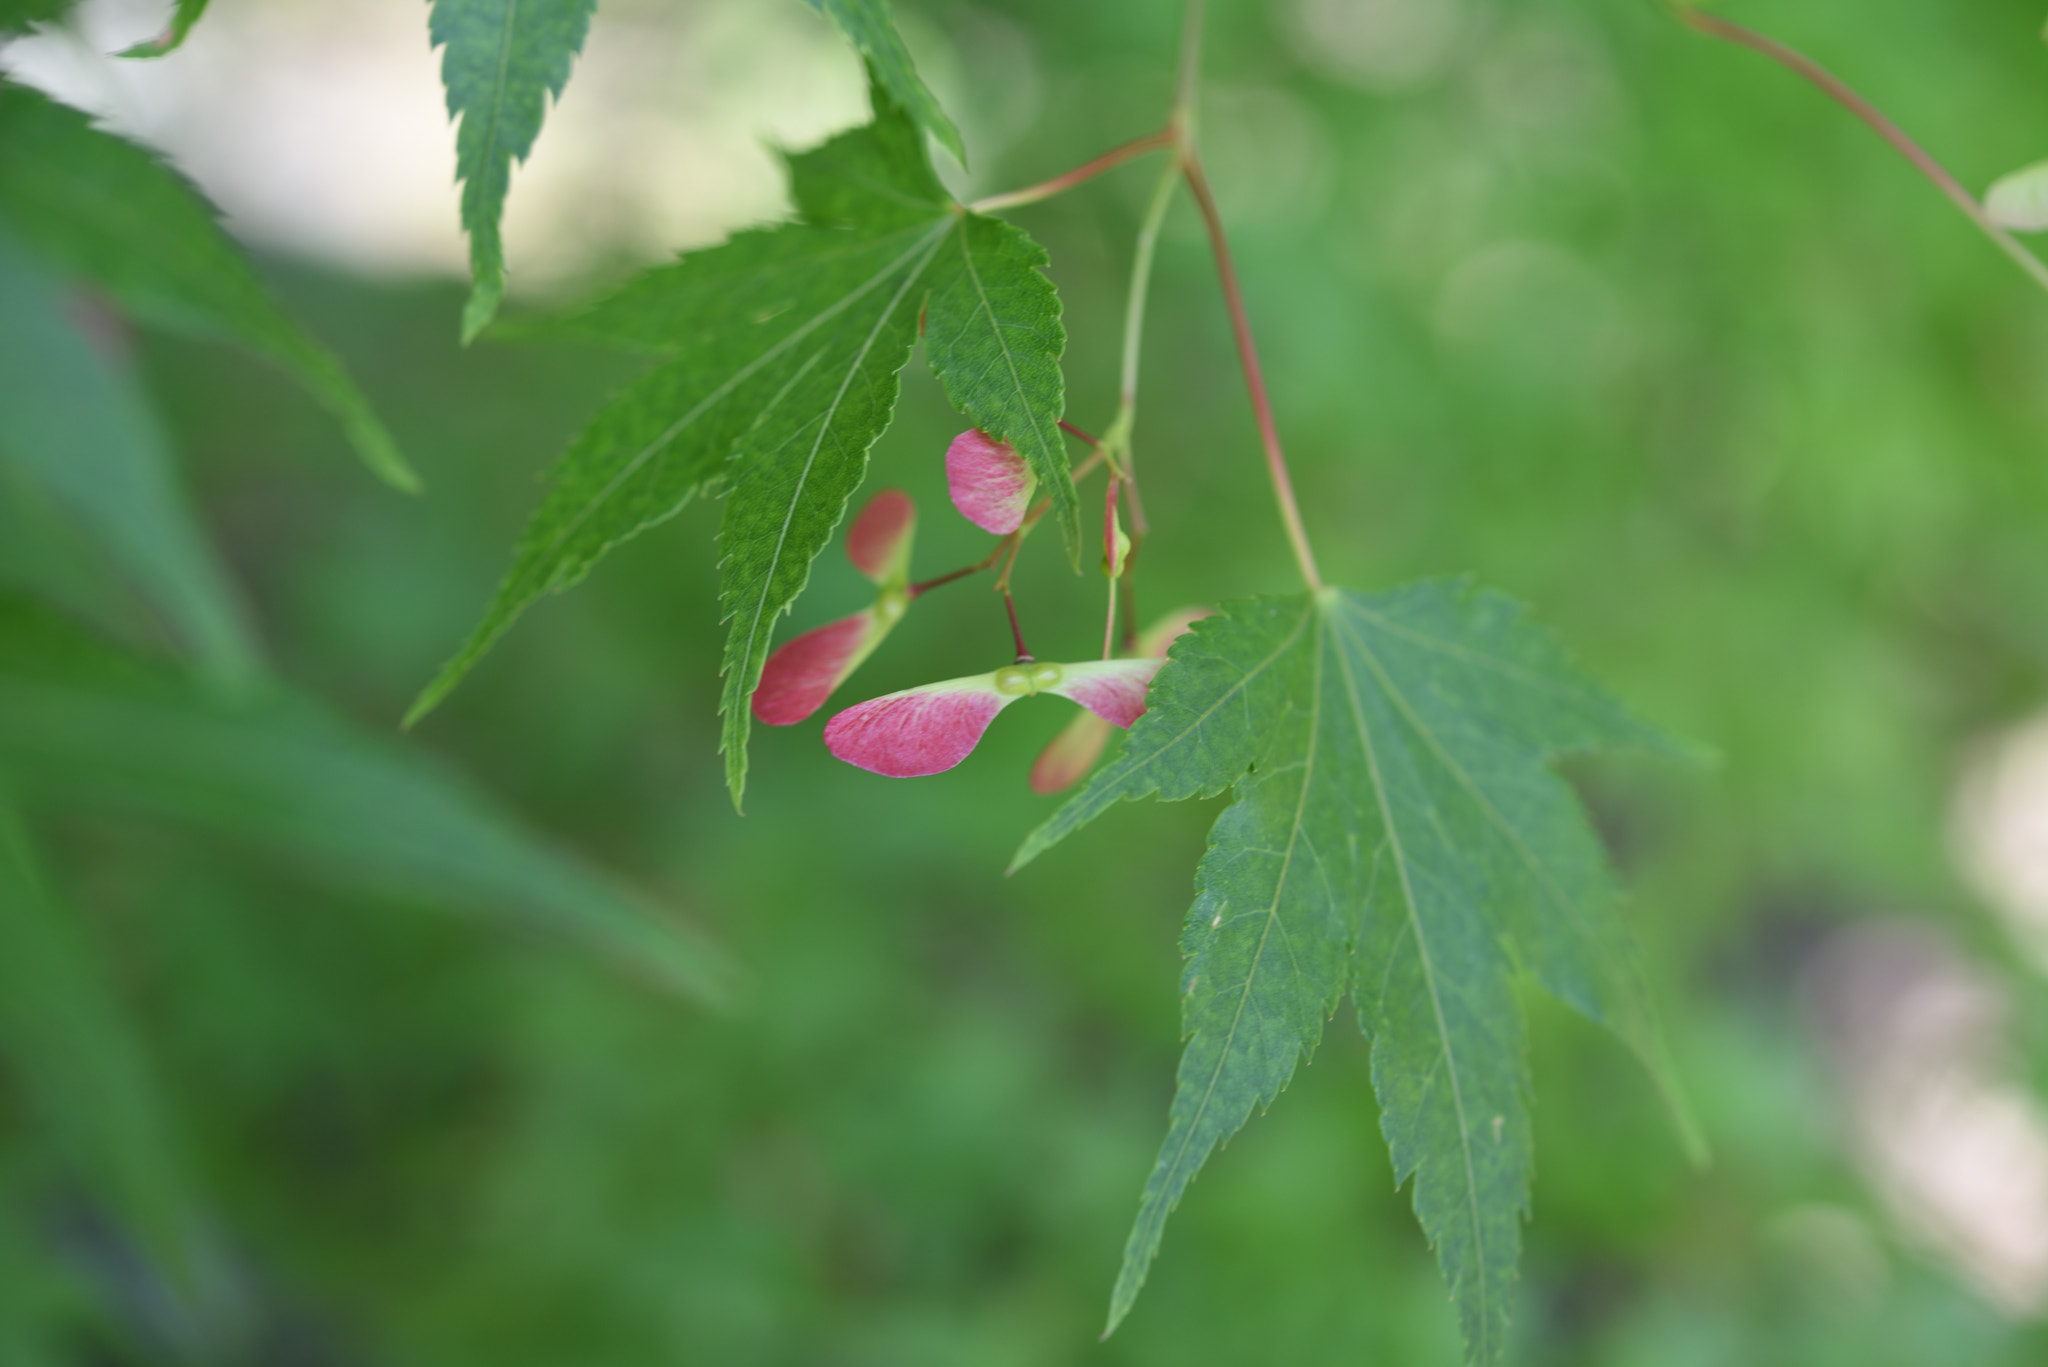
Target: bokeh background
1552 292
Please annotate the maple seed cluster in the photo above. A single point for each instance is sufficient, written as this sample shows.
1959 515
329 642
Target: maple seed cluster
933 727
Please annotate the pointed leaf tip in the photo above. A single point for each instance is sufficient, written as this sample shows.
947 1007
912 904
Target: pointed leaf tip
481 306
990 483
879 541
804 670
919 731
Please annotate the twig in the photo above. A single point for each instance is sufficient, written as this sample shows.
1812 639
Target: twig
1713 26
1254 377
1046 189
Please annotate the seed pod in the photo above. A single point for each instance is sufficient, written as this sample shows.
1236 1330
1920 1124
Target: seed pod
990 483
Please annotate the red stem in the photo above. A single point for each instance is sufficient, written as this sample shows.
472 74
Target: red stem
1046 189
1799 64
1254 377
1024 657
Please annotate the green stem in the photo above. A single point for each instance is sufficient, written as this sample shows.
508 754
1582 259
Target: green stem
1134 332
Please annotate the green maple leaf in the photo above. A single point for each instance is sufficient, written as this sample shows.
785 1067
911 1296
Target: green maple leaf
502 61
103 209
1395 833
873 30
779 353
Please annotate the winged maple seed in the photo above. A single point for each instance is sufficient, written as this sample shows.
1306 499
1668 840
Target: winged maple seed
1075 749
931 728
990 483
803 672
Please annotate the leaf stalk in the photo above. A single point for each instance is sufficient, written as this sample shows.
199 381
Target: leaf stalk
1046 189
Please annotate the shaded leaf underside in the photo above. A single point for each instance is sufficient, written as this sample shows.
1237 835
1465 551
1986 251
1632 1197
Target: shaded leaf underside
777 362
1395 832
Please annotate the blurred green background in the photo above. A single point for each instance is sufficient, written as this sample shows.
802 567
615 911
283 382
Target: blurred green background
1630 325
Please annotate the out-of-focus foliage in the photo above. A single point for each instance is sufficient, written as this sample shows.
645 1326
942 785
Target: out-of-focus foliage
102 209
1631 325
76 430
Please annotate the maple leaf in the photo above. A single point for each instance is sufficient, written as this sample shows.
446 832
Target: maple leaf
1396 833
873 30
778 359
501 61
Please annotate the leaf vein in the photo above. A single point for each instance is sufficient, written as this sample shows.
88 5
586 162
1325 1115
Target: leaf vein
1429 978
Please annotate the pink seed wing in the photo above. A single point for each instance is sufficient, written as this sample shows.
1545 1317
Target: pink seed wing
1168 629
878 542
989 481
1072 753
918 731
1113 690
805 669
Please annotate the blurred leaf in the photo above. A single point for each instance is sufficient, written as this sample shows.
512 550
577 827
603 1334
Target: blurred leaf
86 1072
182 19
75 425
1394 832
780 351
102 208
2020 201
17 15
47 555
81 726
872 27
503 59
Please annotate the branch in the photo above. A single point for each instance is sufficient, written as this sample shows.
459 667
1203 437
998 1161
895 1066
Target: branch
1713 26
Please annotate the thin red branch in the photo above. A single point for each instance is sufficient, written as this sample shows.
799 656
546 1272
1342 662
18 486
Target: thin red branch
1254 377
1046 189
1024 656
1713 26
